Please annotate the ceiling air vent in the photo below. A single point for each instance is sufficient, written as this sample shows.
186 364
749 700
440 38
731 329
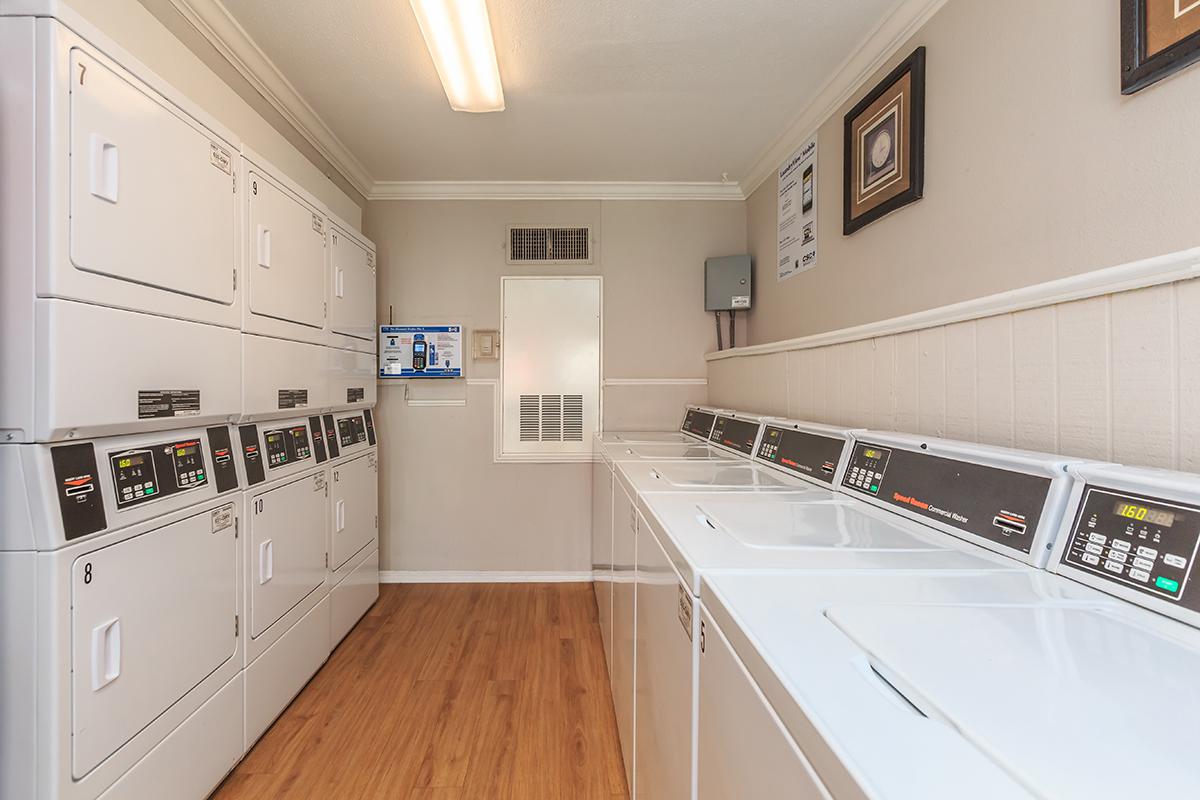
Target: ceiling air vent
551 418
549 245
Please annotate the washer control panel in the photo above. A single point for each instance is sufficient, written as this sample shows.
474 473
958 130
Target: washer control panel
147 473
1134 540
697 422
736 434
807 454
1000 505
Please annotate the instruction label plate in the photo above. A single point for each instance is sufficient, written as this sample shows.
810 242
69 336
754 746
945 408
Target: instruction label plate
158 403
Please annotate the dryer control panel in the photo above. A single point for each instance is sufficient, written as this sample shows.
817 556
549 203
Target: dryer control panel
286 445
146 473
807 454
1000 505
1137 541
698 422
736 434
351 430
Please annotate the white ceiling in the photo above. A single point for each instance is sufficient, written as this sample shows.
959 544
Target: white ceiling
596 90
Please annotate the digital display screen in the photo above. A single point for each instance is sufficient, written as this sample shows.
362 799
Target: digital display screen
1155 516
418 347
131 461
186 450
869 453
274 437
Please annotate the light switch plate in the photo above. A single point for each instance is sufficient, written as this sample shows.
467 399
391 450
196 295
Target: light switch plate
486 345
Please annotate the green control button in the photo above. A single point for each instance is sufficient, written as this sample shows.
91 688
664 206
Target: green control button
1166 584
875 489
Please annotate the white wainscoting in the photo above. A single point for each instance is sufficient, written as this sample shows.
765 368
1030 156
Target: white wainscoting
1114 376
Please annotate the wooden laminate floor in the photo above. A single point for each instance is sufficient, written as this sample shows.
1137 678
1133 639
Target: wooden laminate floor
451 691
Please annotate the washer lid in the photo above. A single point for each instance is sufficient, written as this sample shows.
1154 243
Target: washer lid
809 529
837 522
645 437
679 451
1072 702
675 476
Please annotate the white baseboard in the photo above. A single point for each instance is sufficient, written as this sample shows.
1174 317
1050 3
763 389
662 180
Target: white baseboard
460 576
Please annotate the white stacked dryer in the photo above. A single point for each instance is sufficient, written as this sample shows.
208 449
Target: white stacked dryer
120 645
287 563
106 265
354 518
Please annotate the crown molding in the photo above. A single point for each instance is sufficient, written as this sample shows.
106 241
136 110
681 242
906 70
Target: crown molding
905 18
555 190
213 21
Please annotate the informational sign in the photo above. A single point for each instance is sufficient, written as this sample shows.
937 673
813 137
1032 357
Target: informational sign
420 351
798 211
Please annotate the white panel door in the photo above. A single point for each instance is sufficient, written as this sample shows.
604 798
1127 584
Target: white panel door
287 547
550 366
151 618
664 676
287 254
602 552
352 296
354 506
744 750
624 621
152 197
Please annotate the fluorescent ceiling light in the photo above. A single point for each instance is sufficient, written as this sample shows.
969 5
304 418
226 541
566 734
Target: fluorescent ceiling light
459 37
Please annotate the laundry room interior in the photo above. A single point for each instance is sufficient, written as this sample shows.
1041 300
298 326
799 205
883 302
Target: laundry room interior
675 399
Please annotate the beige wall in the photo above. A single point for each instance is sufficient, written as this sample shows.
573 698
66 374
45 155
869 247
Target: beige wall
445 505
134 28
1036 168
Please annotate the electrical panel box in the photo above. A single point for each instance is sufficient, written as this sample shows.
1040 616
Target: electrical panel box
420 351
727 283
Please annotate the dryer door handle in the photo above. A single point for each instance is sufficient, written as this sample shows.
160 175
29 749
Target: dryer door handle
341 515
105 168
264 246
106 653
266 562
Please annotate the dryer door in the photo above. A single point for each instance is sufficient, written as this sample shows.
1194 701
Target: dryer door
131 155
287 254
355 508
151 618
352 305
287 547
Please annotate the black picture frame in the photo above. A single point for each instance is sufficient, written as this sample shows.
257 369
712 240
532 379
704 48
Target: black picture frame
914 64
1138 71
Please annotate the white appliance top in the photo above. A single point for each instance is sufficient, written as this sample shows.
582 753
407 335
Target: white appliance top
808 529
693 451
704 476
949 685
644 437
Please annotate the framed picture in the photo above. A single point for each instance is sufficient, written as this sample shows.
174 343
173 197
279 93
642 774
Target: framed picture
1158 37
885 146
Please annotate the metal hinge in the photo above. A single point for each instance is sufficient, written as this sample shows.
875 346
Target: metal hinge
235 183
324 309
327 561
236 625
235 527
376 522
235 280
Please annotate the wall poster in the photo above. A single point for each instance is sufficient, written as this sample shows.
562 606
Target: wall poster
798 211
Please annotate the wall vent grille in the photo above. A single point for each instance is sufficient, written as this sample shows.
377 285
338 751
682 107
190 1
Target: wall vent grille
551 418
549 245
